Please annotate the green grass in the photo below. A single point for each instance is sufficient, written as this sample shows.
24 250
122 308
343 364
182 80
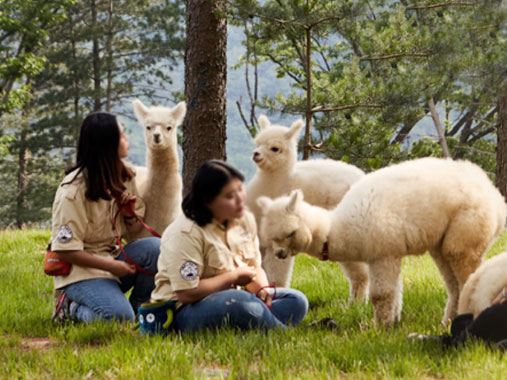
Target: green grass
356 350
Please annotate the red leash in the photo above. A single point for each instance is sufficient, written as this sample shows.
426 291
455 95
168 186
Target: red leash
130 209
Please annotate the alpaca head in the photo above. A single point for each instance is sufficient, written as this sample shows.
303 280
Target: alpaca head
283 226
159 123
276 145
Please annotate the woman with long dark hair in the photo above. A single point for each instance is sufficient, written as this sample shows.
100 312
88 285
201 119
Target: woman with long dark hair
85 230
210 263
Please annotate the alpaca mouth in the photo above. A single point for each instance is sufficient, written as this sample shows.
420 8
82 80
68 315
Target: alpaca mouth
257 159
156 139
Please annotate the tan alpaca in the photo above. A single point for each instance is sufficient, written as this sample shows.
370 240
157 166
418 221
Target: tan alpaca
323 182
449 208
484 285
160 183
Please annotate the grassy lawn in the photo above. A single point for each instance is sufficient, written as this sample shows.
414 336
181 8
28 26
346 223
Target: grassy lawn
32 348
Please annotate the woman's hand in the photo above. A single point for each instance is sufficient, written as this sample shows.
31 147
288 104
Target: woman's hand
124 200
500 298
264 295
121 268
244 275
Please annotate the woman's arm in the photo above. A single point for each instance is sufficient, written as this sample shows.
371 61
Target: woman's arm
240 276
501 297
258 286
84 259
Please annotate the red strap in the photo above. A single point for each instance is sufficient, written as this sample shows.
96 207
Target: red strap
274 292
128 207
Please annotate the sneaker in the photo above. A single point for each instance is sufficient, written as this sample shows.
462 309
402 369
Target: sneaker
324 323
62 309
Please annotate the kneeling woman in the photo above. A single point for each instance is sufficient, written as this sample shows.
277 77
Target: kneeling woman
211 265
85 232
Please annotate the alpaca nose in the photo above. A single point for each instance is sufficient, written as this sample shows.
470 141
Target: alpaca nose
257 157
156 137
281 254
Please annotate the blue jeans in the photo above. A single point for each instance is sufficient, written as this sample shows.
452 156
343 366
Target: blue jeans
241 309
103 298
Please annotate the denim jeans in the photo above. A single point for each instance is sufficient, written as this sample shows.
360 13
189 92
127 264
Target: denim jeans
103 298
241 309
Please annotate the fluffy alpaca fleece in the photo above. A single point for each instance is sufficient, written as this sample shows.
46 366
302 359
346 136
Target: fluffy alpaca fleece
160 183
449 208
484 285
323 183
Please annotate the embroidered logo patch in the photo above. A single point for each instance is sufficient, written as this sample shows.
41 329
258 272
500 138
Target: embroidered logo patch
189 271
64 234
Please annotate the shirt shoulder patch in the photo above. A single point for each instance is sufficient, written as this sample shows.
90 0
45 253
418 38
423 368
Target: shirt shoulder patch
64 234
189 271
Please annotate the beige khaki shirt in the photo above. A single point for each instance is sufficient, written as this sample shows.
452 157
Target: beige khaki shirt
81 224
189 253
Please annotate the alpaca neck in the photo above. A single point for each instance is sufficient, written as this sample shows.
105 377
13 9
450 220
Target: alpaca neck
319 222
165 160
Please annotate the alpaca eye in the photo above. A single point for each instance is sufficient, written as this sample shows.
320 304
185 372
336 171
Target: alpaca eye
291 234
275 149
148 127
169 127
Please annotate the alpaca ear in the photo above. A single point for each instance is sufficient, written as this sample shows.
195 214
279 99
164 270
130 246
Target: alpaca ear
263 122
296 197
264 203
140 110
179 112
294 129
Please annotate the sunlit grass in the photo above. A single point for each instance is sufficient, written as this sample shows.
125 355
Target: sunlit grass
356 349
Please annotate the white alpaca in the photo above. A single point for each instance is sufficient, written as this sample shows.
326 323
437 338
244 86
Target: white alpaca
159 184
449 208
484 285
323 183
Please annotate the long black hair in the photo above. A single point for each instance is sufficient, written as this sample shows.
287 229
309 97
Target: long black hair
208 182
97 152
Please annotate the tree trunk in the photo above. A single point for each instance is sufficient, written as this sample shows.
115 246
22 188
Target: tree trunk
96 59
109 52
204 132
440 131
501 147
308 67
22 174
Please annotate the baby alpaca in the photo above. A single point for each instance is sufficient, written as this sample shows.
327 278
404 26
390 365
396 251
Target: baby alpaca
484 285
160 183
449 208
323 183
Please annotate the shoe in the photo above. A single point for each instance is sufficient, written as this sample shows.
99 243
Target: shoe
325 322
62 309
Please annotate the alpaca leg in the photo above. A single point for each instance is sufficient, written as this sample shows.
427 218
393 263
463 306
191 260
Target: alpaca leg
357 274
384 285
398 302
451 285
279 272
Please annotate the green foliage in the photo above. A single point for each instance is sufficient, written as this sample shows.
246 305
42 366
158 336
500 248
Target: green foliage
356 349
377 63
59 77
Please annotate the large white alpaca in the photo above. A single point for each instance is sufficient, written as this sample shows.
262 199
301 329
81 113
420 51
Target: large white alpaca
484 285
449 208
323 183
159 183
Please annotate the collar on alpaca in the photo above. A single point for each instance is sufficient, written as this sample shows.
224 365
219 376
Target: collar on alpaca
325 252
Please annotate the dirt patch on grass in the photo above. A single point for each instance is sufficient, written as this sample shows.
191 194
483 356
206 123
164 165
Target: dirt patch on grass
37 343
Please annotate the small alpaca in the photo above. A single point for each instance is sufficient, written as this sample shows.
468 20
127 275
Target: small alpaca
160 183
449 208
323 183
484 285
